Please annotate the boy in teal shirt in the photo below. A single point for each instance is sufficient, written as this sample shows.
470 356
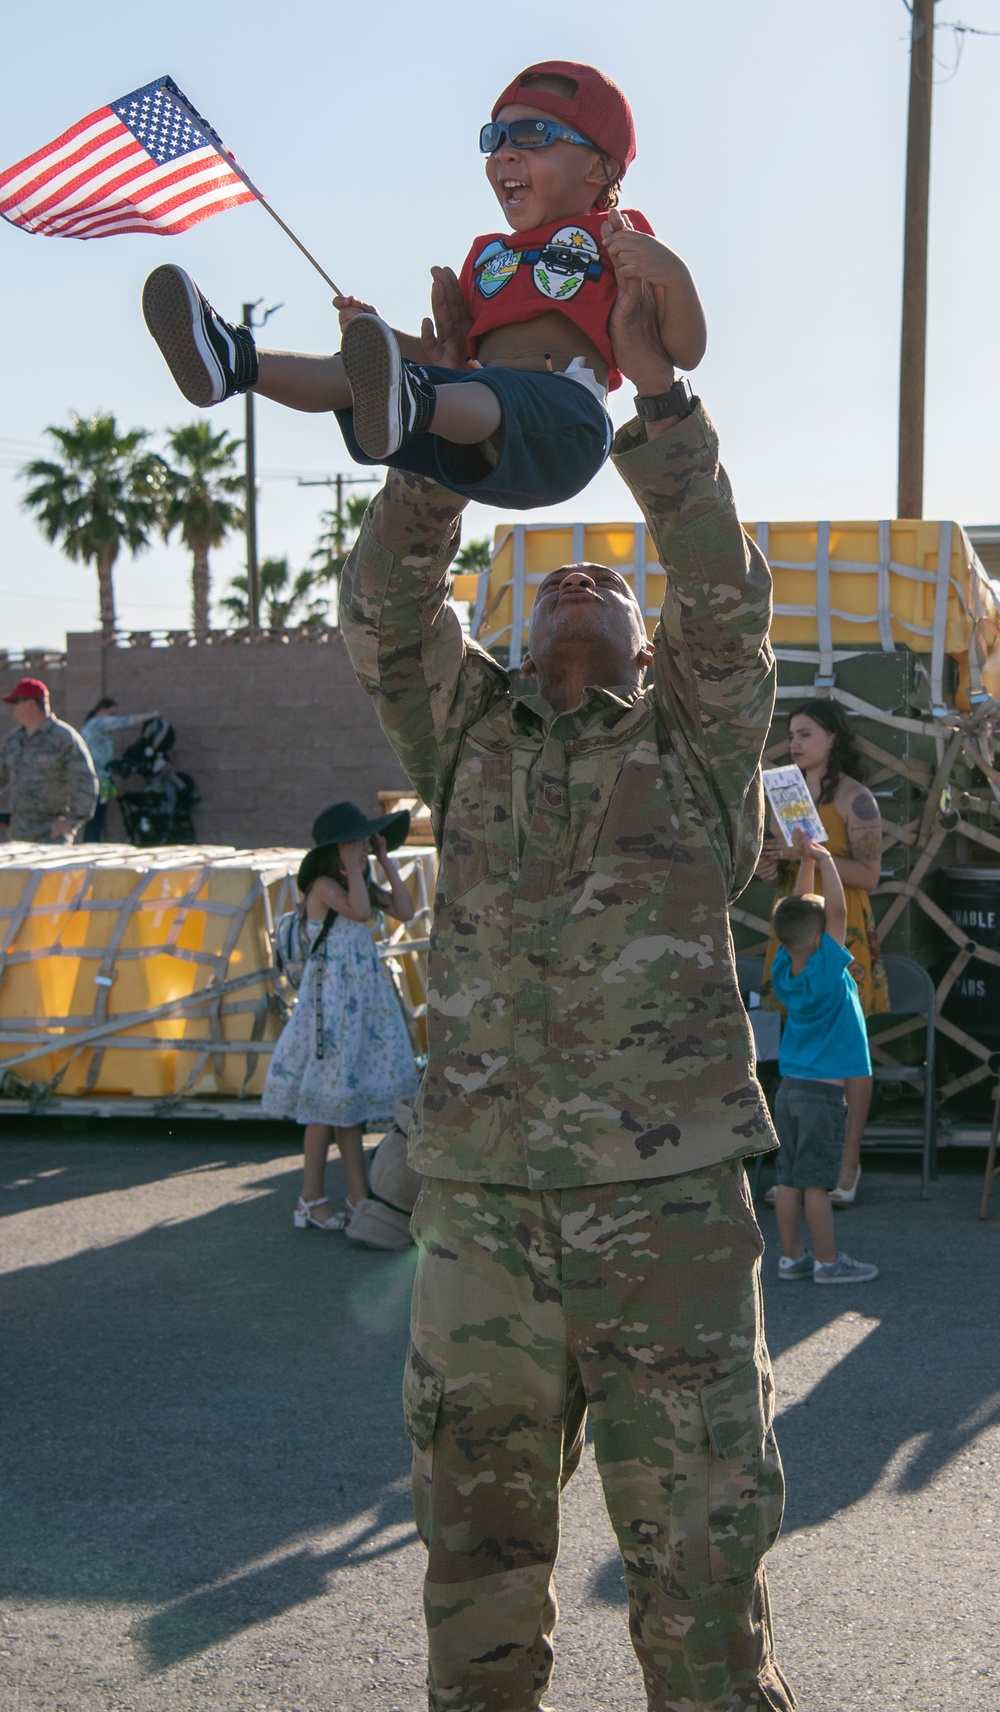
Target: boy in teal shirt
824 1041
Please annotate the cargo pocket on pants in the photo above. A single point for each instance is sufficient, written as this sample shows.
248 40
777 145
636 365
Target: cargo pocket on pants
746 1494
423 1388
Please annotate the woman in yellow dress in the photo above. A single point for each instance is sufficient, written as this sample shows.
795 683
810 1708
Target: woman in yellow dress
823 744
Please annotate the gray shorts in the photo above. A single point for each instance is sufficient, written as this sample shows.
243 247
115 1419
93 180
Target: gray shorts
810 1118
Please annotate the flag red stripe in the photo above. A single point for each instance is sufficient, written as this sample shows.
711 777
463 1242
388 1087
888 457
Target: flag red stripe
60 142
71 223
98 153
70 192
143 168
146 202
129 221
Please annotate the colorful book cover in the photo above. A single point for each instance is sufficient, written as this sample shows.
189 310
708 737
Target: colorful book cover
788 794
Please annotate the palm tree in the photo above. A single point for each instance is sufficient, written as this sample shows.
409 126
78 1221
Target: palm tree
202 493
337 536
103 494
475 556
288 600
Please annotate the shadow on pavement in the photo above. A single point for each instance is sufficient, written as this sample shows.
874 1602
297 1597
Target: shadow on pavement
214 1391
192 1412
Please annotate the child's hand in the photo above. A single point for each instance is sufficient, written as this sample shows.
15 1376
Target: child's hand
348 307
443 339
638 255
804 847
639 259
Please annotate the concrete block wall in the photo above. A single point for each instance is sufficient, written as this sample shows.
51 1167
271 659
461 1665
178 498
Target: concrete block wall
272 733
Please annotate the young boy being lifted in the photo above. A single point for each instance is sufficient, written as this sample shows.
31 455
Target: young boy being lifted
502 398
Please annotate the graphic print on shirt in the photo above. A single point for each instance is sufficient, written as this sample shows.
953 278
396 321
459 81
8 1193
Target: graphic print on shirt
570 257
498 265
558 270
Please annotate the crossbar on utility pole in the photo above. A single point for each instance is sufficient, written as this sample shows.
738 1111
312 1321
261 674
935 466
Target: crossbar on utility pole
913 344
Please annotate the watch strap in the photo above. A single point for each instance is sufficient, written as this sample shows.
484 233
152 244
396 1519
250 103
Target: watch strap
678 401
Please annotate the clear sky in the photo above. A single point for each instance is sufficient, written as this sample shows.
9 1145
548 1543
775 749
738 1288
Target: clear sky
771 154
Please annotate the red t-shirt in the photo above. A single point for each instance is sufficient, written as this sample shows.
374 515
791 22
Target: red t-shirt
562 266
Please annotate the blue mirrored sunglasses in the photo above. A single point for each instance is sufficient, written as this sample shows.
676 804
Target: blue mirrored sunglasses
529 134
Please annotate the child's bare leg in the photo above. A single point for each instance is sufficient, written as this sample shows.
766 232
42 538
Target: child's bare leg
352 1157
788 1212
819 1218
466 413
316 1145
302 382
858 1094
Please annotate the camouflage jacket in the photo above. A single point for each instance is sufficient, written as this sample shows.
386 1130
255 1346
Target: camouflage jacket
48 774
583 1018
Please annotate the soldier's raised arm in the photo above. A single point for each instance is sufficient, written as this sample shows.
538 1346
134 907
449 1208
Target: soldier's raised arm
713 669
82 784
428 681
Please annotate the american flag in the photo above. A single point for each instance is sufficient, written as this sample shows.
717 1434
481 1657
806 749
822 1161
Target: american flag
146 163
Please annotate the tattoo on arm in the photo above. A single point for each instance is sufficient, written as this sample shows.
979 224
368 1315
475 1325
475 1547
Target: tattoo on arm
866 844
864 806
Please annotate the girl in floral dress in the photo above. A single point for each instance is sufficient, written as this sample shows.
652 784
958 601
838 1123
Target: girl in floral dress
344 1057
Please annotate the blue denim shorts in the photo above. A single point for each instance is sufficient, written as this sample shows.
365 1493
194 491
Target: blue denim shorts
810 1118
556 436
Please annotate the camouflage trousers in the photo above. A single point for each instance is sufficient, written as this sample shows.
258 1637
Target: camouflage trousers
637 1301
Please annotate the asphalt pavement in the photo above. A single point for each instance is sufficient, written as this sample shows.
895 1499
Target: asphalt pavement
203 1471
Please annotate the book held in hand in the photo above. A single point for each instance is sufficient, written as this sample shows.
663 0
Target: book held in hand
793 807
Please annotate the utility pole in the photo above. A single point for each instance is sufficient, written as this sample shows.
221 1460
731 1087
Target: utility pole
913 346
250 448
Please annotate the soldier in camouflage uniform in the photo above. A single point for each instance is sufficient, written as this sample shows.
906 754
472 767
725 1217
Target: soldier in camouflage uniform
46 767
586 1236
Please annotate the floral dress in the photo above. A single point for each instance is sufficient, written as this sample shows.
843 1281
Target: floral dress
861 939
366 1063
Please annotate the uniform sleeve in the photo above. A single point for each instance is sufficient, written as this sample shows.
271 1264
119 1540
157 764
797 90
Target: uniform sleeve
713 671
82 787
429 682
4 770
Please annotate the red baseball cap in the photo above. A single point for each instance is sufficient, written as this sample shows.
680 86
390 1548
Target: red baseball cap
598 109
29 689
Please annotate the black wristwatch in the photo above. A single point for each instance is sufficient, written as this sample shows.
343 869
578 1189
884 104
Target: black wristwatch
679 401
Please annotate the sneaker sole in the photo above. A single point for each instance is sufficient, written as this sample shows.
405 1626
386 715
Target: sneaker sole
793 1277
373 368
867 1278
172 308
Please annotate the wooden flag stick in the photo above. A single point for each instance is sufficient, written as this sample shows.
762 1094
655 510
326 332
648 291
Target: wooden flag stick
289 233
232 162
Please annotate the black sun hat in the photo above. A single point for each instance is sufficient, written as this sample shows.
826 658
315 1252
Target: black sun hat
344 823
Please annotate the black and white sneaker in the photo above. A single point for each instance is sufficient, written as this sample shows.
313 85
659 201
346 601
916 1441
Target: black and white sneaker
208 357
393 397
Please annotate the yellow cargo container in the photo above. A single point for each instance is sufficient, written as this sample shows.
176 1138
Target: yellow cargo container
837 585
148 973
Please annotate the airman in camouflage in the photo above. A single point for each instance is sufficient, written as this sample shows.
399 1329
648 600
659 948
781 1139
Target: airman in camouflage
586 1239
46 767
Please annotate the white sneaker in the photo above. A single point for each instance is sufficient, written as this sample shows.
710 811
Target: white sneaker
844 1270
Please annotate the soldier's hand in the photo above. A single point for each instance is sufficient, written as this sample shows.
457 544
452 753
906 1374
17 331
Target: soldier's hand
61 828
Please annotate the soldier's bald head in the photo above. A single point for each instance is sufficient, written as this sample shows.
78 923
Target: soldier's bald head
592 607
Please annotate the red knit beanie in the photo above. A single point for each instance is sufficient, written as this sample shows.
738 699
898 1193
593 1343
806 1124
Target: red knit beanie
598 109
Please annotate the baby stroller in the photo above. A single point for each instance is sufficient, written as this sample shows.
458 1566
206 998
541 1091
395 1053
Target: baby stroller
160 811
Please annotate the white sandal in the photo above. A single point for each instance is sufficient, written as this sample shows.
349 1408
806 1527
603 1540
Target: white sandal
302 1216
845 1197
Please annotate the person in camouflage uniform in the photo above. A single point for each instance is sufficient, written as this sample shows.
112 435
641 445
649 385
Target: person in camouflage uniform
47 769
586 1236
